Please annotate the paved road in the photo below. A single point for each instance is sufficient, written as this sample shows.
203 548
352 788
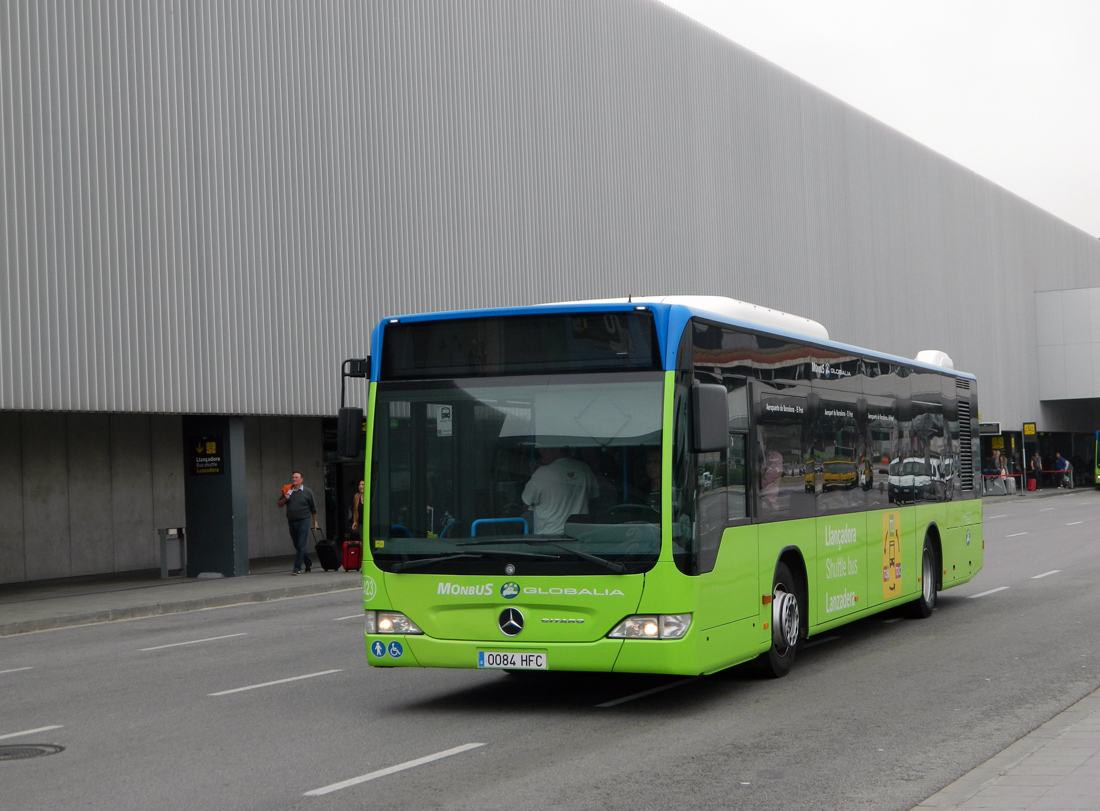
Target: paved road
256 706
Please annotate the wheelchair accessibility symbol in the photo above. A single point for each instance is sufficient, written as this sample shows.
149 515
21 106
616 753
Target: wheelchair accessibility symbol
396 650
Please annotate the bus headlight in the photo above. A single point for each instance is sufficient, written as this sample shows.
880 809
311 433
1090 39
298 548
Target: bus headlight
652 626
390 622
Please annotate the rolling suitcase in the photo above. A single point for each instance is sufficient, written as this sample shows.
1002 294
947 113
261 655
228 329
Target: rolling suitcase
327 553
353 556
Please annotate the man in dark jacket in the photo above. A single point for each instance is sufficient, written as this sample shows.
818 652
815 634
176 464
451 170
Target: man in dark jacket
300 507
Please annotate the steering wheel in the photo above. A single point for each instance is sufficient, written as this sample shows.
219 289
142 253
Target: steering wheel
512 510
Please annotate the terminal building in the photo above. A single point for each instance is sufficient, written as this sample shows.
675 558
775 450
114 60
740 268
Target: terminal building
205 208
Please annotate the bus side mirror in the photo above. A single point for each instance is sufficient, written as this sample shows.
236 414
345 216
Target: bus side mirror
357 367
710 413
349 426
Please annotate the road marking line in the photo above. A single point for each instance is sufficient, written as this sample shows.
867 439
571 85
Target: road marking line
1074 523
28 732
15 670
353 616
270 683
645 693
813 642
1046 509
1016 535
193 642
317 792
1045 574
988 517
986 593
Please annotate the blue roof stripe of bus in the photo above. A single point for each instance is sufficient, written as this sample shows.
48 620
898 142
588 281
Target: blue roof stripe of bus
671 319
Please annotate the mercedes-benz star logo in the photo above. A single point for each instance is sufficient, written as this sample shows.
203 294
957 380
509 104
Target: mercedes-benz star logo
510 622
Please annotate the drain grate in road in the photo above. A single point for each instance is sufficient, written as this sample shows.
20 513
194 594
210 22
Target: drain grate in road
28 750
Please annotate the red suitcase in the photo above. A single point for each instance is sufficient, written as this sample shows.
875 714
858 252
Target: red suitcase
353 556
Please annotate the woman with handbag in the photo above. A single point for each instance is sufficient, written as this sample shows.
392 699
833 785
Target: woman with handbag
357 511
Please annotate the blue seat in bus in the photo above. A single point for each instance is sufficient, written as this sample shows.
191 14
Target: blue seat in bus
452 529
496 525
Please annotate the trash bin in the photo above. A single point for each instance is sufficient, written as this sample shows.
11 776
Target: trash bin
173 552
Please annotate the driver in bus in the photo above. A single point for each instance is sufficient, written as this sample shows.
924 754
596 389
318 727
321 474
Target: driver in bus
560 487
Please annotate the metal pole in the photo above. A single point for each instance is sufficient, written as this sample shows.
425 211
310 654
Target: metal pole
1027 463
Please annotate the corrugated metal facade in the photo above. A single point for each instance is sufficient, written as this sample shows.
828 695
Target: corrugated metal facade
190 190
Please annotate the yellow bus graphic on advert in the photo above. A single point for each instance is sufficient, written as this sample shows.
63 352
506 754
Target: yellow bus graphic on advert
891 555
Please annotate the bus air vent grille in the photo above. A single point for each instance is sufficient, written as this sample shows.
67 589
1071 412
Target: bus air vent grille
966 445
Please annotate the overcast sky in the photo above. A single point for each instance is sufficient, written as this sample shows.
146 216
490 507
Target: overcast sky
1007 88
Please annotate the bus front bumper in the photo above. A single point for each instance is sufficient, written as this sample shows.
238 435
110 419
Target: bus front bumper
676 657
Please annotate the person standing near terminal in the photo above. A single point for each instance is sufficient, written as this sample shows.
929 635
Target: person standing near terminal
357 503
1061 478
1037 469
300 507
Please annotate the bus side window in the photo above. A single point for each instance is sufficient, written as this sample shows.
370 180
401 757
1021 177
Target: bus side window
736 482
786 473
684 549
711 508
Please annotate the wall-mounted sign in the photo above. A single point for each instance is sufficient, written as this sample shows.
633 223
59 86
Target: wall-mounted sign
989 428
206 455
443 422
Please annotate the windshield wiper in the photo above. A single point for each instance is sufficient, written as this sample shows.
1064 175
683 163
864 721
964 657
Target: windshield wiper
413 564
611 565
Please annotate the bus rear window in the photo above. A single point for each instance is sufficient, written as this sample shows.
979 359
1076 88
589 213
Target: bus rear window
520 344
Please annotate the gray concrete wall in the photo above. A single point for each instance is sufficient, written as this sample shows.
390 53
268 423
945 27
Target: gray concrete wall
1081 416
86 493
13 559
47 501
1068 328
91 472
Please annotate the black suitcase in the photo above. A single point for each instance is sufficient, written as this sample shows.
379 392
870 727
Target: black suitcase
328 554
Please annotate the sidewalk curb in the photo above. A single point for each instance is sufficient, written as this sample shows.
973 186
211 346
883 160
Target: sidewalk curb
173 607
957 794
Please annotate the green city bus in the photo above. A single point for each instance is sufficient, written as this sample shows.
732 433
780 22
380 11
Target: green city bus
650 485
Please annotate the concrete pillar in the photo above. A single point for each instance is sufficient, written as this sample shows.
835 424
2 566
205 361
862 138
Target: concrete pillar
217 511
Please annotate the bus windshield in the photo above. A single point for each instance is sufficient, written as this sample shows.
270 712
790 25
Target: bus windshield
547 474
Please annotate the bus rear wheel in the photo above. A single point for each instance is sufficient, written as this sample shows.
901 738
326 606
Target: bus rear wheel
923 606
786 625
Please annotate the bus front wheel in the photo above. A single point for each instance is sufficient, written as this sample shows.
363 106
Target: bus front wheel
786 625
923 606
